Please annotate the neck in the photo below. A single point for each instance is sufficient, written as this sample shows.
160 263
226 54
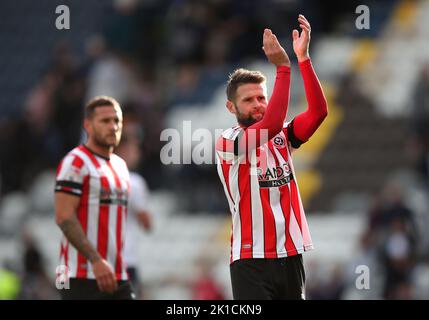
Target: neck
96 148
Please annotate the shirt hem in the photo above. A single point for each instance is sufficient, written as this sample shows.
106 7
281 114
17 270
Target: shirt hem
272 255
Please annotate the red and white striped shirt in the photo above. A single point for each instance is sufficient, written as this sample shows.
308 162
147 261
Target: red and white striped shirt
103 187
268 219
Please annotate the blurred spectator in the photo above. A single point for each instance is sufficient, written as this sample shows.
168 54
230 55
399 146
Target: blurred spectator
204 286
36 285
420 105
392 228
420 280
402 290
420 125
330 288
390 207
122 32
201 283
398 260
112 73
367 255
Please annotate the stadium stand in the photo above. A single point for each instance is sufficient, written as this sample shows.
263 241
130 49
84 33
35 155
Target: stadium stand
364 179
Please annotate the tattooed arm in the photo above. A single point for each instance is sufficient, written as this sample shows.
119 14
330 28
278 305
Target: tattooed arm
65 216
66 219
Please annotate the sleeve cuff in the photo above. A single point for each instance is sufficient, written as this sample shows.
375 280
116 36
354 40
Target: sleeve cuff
294 140
305 63
283 69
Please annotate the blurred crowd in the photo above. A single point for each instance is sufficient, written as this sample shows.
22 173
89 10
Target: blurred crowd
151 56
154 56
394 244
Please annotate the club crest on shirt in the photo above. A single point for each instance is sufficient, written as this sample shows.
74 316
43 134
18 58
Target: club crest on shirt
113 197
279 142
104 194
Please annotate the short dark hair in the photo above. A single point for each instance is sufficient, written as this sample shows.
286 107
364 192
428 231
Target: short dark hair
239 77
99 101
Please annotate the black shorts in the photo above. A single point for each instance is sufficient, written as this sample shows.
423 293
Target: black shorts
87 289
133 275
268 279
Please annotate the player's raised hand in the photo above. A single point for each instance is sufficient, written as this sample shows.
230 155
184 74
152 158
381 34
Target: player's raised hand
301 42
273 50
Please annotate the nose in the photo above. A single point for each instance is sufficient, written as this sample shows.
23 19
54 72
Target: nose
113 126
258 104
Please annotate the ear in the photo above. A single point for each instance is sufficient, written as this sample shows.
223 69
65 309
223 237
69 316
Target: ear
230 106
87 125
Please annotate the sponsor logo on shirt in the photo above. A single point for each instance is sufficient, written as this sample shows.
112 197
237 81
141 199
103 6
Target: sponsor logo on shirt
274 177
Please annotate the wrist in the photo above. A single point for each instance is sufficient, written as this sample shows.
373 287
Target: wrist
95 259
283 64
283 68
303 57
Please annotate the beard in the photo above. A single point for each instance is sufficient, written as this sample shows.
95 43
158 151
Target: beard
245 120
100 141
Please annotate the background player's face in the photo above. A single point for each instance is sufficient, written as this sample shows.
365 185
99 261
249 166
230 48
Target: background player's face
105 126
250 103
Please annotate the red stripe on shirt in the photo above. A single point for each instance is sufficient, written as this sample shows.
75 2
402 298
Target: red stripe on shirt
66 255
118 265
82 214
295 204
245 206
270 237
285 205
90 155
103 220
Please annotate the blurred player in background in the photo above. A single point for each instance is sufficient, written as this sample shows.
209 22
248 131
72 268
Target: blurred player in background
138 213
269 228
91 194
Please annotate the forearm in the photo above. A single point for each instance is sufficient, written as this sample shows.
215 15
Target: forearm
73 231
275 114
306 123
278 104
272 122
